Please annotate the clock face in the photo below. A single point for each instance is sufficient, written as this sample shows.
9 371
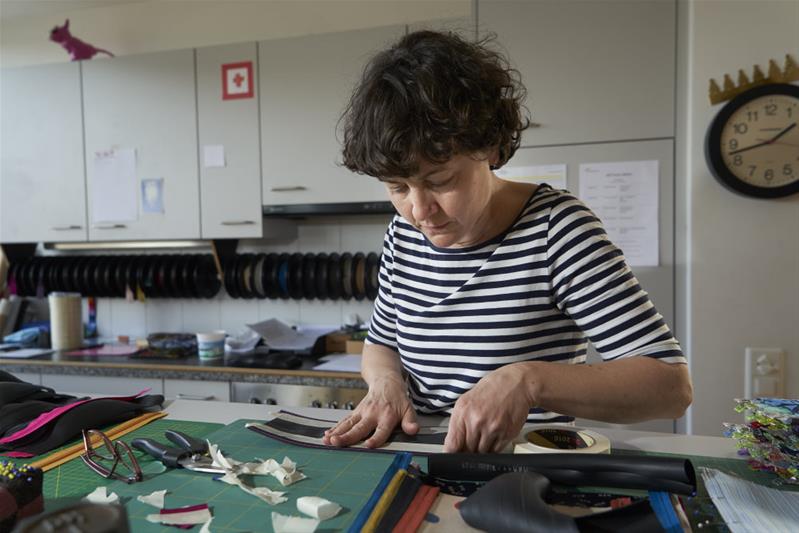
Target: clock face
753 144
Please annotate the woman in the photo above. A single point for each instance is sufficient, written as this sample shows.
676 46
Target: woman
489 288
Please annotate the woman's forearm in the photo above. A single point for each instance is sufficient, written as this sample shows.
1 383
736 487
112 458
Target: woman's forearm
379 362
625 391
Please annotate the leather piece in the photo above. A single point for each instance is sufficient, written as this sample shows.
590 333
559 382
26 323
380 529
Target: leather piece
598 470
514 503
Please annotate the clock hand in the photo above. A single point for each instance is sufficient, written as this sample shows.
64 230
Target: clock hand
783 132
758 145
764 143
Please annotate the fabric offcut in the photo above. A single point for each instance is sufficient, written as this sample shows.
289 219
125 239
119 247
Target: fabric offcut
36 419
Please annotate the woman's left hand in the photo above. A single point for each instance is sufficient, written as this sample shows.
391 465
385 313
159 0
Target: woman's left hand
490 415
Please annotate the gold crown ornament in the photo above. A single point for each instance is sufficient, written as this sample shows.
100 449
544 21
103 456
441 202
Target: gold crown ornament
775 75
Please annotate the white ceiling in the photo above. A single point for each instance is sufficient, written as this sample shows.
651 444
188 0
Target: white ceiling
12 9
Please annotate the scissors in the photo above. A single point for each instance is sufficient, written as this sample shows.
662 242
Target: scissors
191 454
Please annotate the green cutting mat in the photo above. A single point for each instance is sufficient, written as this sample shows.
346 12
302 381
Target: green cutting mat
345 477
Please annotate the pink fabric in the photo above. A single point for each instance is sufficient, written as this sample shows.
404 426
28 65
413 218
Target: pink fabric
17 455
44 418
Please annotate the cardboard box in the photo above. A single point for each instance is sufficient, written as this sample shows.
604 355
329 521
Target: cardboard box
354 346
336 342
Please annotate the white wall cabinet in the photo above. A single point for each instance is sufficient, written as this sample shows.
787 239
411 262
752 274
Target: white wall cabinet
42 191
305 85
146 102
595 71
230 195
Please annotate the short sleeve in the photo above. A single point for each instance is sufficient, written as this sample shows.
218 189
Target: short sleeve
382 329
592 284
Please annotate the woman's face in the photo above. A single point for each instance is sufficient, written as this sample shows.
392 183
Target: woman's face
447 202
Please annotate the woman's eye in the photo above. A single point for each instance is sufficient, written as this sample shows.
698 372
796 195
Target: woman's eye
441 184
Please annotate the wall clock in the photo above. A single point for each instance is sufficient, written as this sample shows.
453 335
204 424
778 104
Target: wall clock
752 145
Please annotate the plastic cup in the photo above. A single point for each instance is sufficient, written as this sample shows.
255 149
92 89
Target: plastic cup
211 345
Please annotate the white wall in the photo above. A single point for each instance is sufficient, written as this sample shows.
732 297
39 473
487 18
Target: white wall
739 277
153 25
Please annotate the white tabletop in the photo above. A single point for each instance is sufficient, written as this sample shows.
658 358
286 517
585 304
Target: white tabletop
227 412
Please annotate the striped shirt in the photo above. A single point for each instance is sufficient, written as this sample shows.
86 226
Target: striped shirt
537 292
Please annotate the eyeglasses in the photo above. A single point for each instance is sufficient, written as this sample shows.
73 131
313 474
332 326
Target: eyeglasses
106 457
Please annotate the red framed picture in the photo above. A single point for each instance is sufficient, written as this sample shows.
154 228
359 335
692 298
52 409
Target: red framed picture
237 81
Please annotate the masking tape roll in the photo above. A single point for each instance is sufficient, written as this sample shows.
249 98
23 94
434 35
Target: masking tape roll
561 439
66 321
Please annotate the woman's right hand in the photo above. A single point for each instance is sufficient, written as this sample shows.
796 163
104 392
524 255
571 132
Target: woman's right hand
384 407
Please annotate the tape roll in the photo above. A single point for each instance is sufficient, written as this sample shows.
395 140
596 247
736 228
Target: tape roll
66 322
560 439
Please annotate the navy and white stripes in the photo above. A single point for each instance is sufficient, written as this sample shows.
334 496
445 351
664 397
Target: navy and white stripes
533 293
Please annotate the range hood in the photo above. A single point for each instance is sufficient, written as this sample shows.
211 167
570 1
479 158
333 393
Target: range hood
343 208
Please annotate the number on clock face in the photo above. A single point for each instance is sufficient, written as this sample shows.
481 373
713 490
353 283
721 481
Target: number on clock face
760 141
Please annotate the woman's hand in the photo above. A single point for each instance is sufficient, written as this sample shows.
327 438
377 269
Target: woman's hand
491 414
385 406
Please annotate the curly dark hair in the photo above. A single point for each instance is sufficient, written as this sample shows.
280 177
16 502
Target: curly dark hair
431 96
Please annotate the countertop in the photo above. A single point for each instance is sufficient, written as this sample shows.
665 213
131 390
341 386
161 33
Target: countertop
191 368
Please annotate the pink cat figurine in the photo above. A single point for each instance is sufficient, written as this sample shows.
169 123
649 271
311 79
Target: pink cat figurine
76 48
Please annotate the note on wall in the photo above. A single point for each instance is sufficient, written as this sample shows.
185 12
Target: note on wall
554 175
152 195
624 195
213 156
114 192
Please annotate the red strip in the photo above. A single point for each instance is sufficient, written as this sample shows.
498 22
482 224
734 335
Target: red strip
417 510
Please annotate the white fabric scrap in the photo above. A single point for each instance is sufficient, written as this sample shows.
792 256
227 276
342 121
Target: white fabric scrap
269 496
293 524
207 526
101 495
317 507
200 516
156 499
285 472
219 459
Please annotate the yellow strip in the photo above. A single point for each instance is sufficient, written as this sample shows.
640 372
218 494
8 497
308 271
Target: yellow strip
67 454
384 502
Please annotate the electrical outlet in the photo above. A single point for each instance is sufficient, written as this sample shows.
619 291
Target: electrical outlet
764 374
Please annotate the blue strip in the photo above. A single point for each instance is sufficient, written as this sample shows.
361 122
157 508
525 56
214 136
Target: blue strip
664 510
400 462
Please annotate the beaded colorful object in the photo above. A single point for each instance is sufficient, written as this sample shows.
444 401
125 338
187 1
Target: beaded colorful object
770 436
20 493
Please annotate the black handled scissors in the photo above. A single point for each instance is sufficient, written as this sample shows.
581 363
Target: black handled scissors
192 453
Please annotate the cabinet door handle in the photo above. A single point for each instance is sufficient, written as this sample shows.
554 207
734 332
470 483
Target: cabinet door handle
289 188
182 396
110 226
66 228
238 222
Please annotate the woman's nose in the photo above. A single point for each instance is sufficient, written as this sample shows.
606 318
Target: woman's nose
423 205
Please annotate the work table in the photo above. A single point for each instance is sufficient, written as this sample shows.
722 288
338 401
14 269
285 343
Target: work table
225 413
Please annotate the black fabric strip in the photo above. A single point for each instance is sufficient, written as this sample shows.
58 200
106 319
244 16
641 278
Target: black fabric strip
408 488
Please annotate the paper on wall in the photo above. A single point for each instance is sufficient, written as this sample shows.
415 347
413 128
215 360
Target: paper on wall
213 156
554 175
114 186
624 195
152 195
